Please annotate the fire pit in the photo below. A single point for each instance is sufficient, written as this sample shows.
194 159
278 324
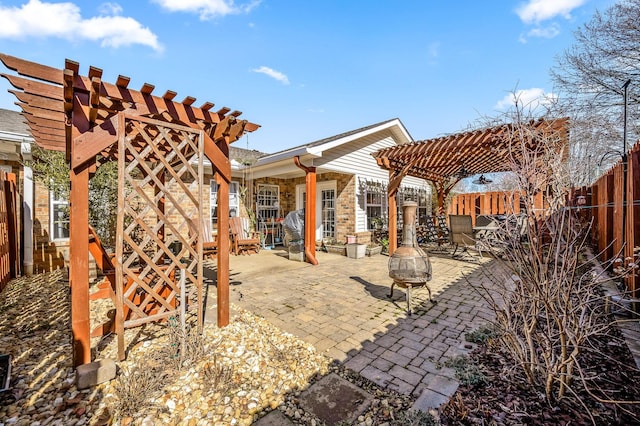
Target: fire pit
409 266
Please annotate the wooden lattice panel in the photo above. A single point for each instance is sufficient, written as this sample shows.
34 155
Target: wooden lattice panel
159 208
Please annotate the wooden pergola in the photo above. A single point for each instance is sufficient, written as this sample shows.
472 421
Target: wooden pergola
156 141
446 160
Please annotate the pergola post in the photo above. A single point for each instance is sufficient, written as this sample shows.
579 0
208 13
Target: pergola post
392 212
222 285
79 264
309 211
79 241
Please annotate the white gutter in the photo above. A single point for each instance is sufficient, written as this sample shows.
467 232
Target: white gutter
284 155
15 137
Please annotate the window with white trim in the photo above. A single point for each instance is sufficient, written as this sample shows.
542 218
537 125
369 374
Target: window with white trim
376 204
418 195
328 209
58 216
268 202
234 200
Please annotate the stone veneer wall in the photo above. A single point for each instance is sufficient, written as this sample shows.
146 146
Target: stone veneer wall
345 201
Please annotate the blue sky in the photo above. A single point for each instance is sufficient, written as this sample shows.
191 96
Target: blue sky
305 70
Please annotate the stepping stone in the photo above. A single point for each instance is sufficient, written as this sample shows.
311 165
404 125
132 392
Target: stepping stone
274 418
334 400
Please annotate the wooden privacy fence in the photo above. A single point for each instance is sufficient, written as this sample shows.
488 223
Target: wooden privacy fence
490 203
9 254
615 213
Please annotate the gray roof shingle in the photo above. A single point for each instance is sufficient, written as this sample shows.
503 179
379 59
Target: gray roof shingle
13 122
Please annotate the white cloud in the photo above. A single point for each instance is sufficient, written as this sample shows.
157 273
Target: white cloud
542 10
207 9
273 74
110 9
530 99
550 31
34 19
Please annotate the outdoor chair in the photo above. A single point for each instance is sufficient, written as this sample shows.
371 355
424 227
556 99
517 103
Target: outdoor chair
209 241
485 220
461 234
243 240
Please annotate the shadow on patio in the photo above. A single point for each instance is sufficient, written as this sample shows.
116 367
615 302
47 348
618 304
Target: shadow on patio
341 307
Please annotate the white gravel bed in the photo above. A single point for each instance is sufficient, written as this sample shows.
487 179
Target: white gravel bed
243 371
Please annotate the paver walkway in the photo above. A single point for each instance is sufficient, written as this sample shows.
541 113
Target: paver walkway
341 307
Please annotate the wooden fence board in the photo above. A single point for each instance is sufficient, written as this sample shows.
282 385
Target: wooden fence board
9 252
618 196
632 226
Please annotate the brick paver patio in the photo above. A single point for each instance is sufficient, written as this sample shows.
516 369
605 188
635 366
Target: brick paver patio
341 307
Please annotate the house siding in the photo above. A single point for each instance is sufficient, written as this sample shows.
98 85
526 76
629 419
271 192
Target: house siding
355 159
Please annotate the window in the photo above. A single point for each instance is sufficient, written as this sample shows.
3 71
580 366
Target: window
418 195
328 205
234 200
58 216
375 213
268 202
376 204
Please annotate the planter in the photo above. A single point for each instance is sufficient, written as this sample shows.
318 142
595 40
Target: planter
336 249
356 251
371 251
296 251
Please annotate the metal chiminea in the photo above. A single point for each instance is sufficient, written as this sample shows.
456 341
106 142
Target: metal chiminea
409 266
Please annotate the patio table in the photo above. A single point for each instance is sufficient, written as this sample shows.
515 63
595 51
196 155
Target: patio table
486 236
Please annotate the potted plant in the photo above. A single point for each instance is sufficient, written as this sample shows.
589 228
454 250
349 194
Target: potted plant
333 246
373 249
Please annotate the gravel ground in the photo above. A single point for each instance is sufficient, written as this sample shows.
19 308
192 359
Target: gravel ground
234 375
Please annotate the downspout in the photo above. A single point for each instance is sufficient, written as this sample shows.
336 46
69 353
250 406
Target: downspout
27 209
309 211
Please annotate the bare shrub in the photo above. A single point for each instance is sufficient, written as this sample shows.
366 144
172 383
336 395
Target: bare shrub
547 310
184 347
136 387
217 376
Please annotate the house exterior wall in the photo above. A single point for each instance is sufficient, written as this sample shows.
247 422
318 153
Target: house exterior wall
47 255
355 159
350 165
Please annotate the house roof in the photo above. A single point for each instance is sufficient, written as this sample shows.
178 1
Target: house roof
244 156
316 148
13 122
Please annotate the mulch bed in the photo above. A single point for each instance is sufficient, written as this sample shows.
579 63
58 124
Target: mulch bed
505 398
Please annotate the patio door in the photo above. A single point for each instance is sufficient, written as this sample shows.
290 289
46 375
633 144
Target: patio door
325 207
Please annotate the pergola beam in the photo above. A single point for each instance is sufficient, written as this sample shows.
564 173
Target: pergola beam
440 160
79 115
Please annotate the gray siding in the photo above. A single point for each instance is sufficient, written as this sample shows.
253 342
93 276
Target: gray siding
355 158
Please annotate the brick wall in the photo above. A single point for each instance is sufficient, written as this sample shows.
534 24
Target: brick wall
345 200
47 255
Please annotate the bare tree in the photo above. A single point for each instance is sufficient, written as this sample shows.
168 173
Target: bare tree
590 76
548 307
